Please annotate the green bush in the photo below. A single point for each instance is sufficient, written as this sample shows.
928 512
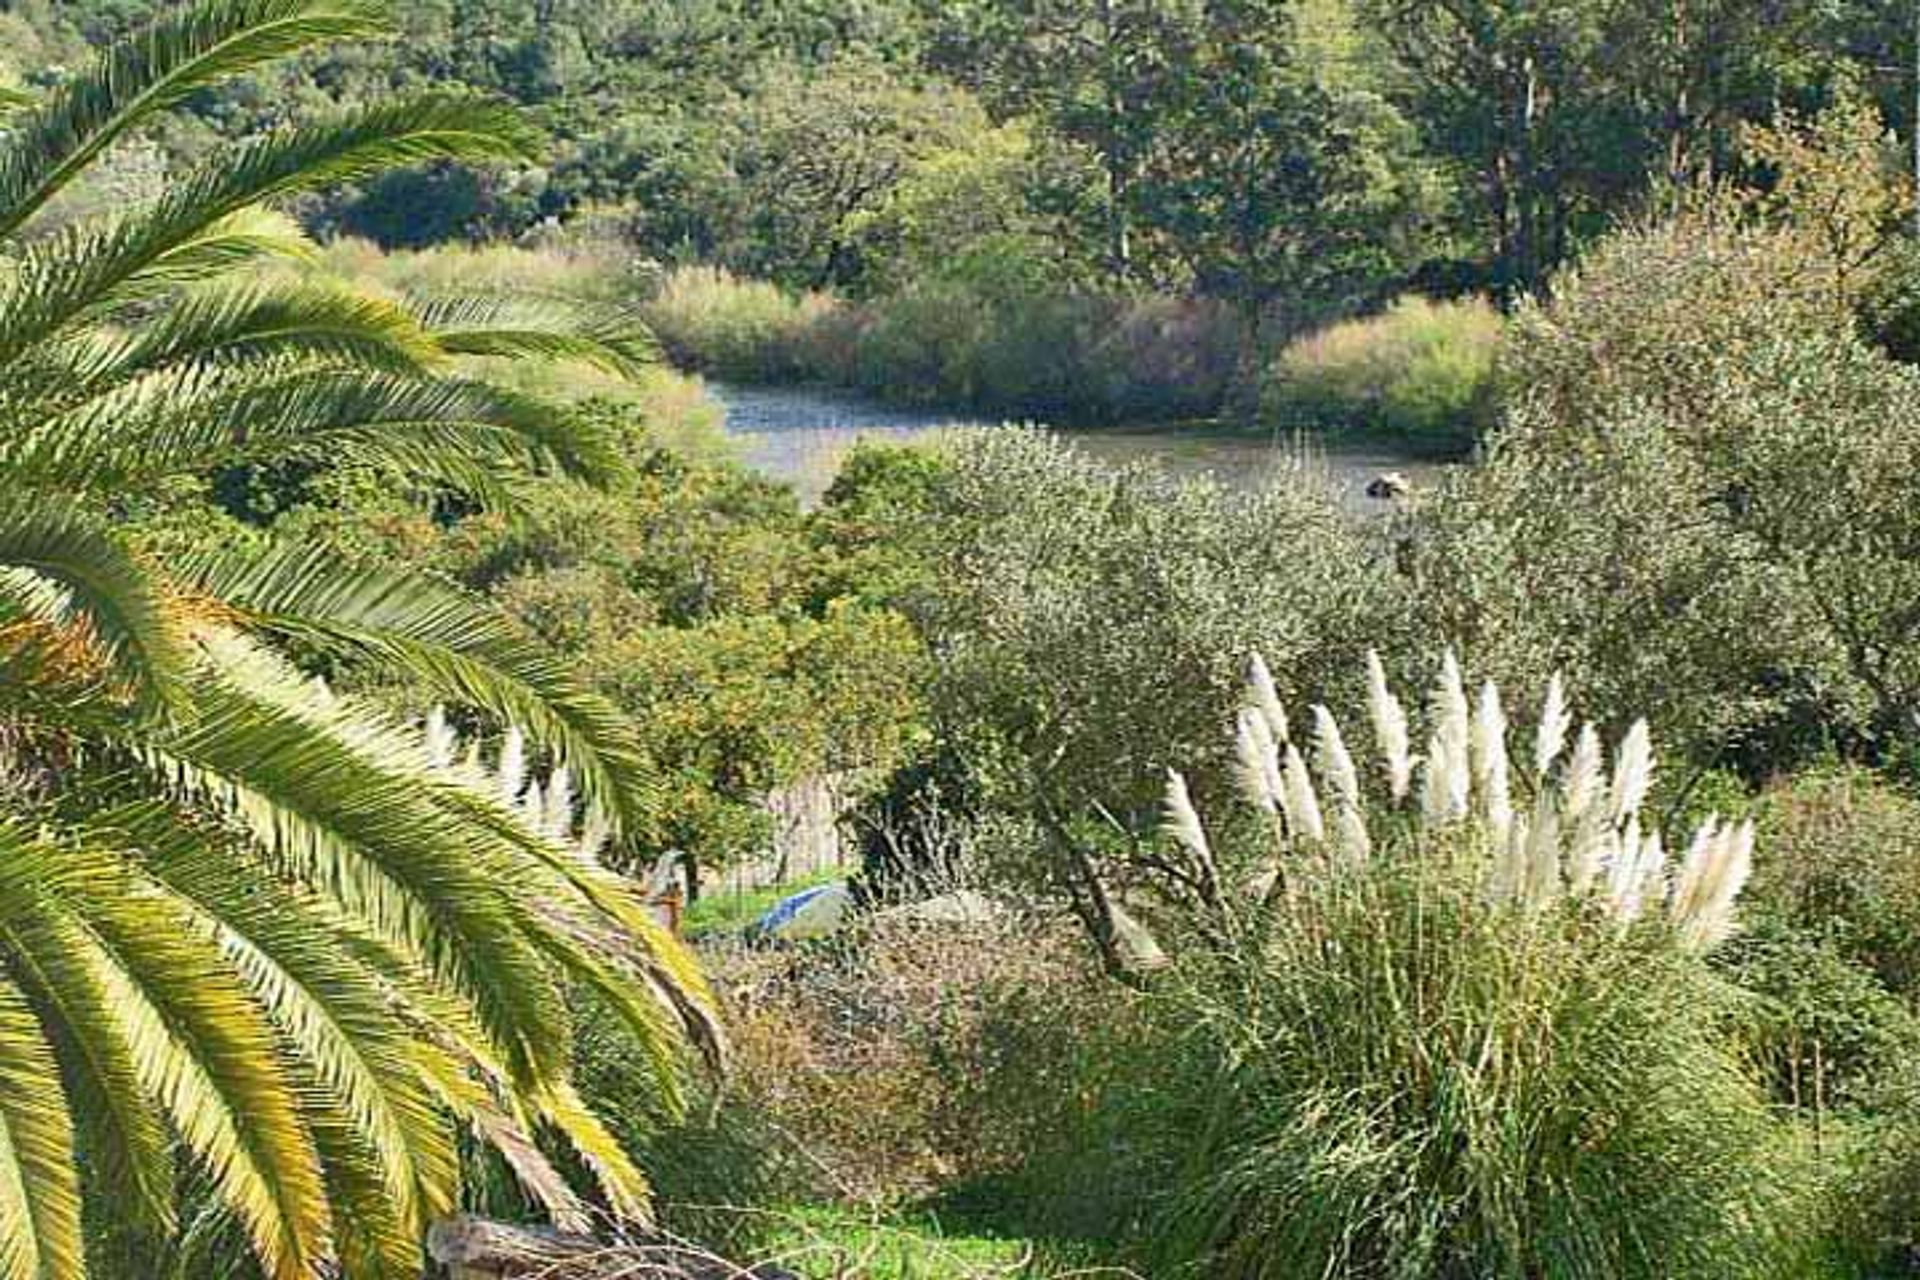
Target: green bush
1839 862
1693 504
1420 371
746 330
985 337
1420 1087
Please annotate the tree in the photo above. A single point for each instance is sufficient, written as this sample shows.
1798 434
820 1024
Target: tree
1087 70
249 927
1089 627
1281 176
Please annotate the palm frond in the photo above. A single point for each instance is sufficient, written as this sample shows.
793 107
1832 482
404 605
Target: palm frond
468 435
226 324
40 1236
610 339
444 639
105 589
91 269
185 50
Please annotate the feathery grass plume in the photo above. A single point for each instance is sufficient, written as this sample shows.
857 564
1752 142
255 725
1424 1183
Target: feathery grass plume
1259 762
1545 864
1632 772
557 816
1622 871
1343 779
1490 760
533 805
1265 698
595 832
1509 876
1569 844
440 739
1706 915
1684 899
1584 818
1453 724
1582 784
1182 820
512 773
1550 736
1436 785
1648 882
1389 729
1302 803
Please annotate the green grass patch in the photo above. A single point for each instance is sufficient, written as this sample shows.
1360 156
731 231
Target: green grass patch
725 911
820 1240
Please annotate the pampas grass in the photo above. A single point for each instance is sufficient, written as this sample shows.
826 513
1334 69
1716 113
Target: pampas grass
1585 839
1484 1046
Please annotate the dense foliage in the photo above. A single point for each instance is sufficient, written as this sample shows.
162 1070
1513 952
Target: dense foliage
990 165
270 954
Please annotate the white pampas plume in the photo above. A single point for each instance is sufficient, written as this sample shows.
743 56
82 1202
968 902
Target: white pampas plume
1258 758
533 806
1336 762
1182 821
1265 698
1343 780
512 774
1510 863
471 762
559 810
1624 870
1581 786
1683 902
1648 881
1589 846
1550 737
439 738
1436 785
1453 733
1632 772
1542 884
1540 849
595 832
1303 805
1389 728
1725 868
1490 759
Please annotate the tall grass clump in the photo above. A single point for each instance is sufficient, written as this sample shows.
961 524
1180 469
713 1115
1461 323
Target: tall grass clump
745 330
1420 371
1445 1014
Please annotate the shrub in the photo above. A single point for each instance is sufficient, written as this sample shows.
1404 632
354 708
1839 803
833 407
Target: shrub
1086 624
1691 504
1450 1040
747 330
989 340
1841 864
1421 371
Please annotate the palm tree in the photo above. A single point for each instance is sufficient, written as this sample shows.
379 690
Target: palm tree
254 935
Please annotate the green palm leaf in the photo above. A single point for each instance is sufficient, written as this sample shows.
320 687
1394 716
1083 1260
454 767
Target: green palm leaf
458 647
255 932
65 566
39 1188
611 339
191 48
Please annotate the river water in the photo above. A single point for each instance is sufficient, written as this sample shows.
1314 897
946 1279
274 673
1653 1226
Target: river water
799 435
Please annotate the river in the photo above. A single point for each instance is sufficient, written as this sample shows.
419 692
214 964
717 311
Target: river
799 435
